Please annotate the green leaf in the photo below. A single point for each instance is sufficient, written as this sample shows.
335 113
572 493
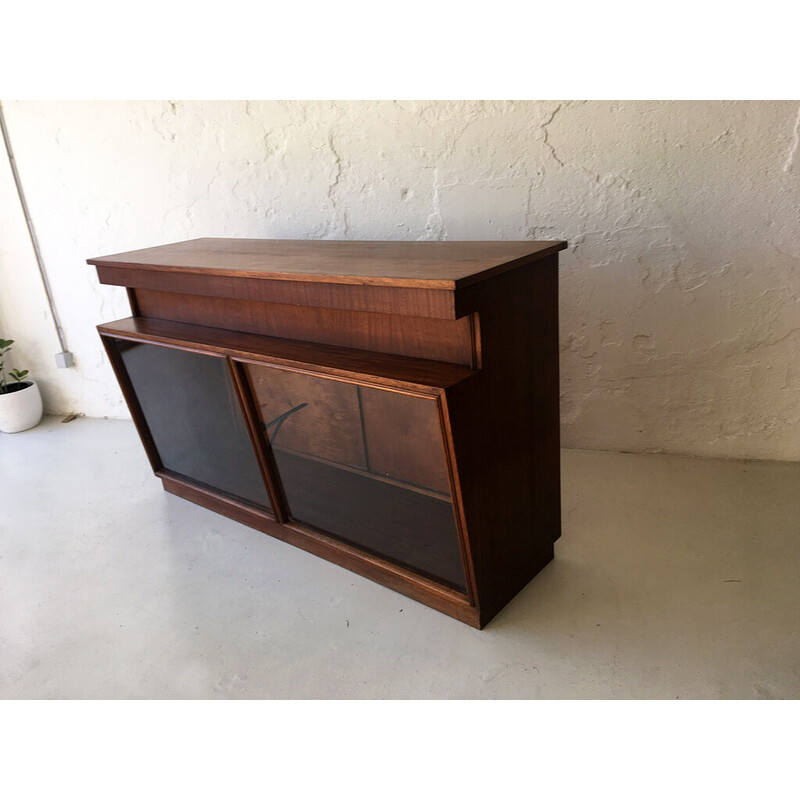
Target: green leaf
5 343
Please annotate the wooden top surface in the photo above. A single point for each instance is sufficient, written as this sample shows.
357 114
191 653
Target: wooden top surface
429 265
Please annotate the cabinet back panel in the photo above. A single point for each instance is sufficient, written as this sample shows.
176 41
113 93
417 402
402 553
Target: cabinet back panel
326 423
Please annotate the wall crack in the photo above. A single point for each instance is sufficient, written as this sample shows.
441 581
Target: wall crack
547 136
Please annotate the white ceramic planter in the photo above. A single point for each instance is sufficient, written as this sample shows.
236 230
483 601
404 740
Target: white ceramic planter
20 410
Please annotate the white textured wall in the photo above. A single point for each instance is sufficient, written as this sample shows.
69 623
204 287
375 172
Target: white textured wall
680 293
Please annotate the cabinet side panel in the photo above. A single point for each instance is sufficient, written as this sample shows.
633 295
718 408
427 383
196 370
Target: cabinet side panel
506 434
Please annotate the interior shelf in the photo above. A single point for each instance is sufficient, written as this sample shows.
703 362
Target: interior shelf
374 476
412 529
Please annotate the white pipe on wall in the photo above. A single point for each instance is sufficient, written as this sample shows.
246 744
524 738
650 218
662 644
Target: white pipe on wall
64 358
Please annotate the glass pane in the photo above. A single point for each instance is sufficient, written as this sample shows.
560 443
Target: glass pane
194 417
365 465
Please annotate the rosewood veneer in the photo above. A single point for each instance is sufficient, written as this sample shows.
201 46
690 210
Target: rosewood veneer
389 406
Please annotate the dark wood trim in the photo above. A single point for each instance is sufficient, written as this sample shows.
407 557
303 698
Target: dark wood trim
488 274
397 265
263 444
368 473
233 507
134 301
364 437
132 401
369 566
505 424
450 340
457 500
266 462
475 337
415 302
340 362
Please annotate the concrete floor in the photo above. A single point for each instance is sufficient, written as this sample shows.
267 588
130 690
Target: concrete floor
674 577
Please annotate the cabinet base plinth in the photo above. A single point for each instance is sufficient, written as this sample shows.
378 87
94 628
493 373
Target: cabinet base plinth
383 572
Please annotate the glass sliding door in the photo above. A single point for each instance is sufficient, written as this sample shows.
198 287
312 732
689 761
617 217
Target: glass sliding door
364 465
191 409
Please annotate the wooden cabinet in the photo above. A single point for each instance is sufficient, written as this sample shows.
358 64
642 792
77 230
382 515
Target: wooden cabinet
389 406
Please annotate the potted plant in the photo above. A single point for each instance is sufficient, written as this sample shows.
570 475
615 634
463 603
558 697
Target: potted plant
20 401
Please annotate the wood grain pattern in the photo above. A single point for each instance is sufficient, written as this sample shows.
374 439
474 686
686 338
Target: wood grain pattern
470 328
387 434
505 426
385 369
133 300
404 438
410 301
417 337
328 425
266 463
443 265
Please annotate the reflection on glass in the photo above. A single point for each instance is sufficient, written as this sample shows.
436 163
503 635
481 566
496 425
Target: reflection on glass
366 465
190 406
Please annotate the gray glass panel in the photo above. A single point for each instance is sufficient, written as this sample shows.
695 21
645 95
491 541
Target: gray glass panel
190 406
364 465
